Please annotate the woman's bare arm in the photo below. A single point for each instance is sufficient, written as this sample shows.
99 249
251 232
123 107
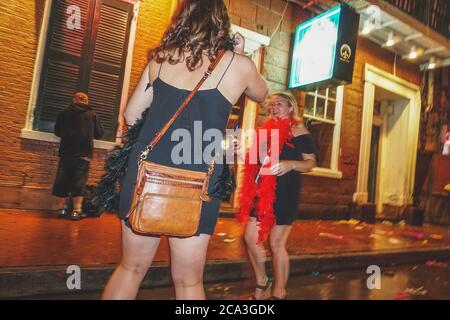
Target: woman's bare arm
257 88
140 100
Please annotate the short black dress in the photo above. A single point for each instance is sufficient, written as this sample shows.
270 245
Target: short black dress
207 110
288 185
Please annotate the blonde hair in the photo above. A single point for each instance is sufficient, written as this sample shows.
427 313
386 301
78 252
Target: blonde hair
291 100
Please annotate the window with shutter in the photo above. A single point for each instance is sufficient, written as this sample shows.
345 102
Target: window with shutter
90 58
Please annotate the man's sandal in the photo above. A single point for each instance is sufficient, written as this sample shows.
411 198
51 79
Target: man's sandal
265 288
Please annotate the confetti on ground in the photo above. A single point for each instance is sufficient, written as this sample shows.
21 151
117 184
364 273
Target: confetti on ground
331 235
229 240
416 235
402 296
424 241
315 273
375 236
416 291
389 273
350 222
394 241
221 234
415 268
384 233
331 277
402 223
215 287
434 263
436 236
359 227
388 223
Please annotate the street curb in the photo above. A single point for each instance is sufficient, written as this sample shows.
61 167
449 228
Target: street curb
34 281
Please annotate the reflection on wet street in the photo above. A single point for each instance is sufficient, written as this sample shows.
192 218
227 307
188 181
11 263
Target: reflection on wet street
46 240
428 281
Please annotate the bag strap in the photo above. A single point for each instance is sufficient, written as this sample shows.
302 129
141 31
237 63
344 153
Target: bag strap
166 127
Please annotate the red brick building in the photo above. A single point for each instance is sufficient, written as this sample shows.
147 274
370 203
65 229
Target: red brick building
29 33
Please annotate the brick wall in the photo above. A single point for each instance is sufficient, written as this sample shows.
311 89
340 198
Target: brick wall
153 19
263 16
27 167
19 31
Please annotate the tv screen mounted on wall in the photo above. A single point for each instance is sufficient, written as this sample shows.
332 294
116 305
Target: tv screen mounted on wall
324 49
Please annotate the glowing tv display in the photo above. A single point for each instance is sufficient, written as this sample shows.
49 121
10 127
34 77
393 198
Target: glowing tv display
324 49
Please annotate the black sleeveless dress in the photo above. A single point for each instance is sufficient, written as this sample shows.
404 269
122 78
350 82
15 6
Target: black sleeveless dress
288 185
208 109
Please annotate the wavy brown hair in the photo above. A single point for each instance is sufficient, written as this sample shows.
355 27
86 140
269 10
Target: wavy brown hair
197 27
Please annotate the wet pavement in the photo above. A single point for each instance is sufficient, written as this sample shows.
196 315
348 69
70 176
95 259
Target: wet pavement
428 281
31 238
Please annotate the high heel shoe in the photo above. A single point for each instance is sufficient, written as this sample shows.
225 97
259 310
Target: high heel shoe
265 288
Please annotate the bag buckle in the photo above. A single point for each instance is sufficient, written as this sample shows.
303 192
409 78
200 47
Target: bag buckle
144 154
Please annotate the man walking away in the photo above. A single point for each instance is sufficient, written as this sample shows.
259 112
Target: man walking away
77 126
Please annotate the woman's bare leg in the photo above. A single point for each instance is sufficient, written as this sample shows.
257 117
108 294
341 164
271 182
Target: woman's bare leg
137 256
257 255
188 256
280 259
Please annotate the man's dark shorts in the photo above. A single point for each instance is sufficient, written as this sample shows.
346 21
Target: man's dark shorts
71 177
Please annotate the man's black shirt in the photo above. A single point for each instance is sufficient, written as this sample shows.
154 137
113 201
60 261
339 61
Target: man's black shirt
78 126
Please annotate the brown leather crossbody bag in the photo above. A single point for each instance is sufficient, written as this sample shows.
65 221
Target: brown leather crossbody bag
167 200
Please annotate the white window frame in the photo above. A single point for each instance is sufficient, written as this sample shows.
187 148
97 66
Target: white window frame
27 132
332 172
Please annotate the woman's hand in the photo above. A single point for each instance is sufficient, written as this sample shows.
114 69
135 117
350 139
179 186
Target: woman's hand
282 167
240 43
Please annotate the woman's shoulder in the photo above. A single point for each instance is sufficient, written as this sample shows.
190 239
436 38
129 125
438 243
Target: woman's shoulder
299 131
243 63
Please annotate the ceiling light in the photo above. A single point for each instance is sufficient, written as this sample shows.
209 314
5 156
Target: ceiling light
367 27
432 63
390 41
413 54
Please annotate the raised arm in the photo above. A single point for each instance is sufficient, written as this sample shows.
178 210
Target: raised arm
257 88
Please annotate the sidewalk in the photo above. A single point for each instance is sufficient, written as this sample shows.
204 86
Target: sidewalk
36 247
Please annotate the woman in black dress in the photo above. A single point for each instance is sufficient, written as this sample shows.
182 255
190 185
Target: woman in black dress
297 156
199 29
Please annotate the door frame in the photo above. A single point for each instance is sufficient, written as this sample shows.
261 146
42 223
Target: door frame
254 45
375 77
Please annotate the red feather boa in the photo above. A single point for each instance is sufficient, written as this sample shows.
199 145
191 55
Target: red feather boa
260 196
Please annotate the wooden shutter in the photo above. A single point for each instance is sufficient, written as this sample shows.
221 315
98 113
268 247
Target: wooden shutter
90 59
110 36
63 63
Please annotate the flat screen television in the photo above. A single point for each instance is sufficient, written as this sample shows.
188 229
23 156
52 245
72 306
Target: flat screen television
323 53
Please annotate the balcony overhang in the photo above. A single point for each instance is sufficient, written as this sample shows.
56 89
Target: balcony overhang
385 22
407 33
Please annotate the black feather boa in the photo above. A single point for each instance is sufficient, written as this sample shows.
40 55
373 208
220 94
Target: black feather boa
106 197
